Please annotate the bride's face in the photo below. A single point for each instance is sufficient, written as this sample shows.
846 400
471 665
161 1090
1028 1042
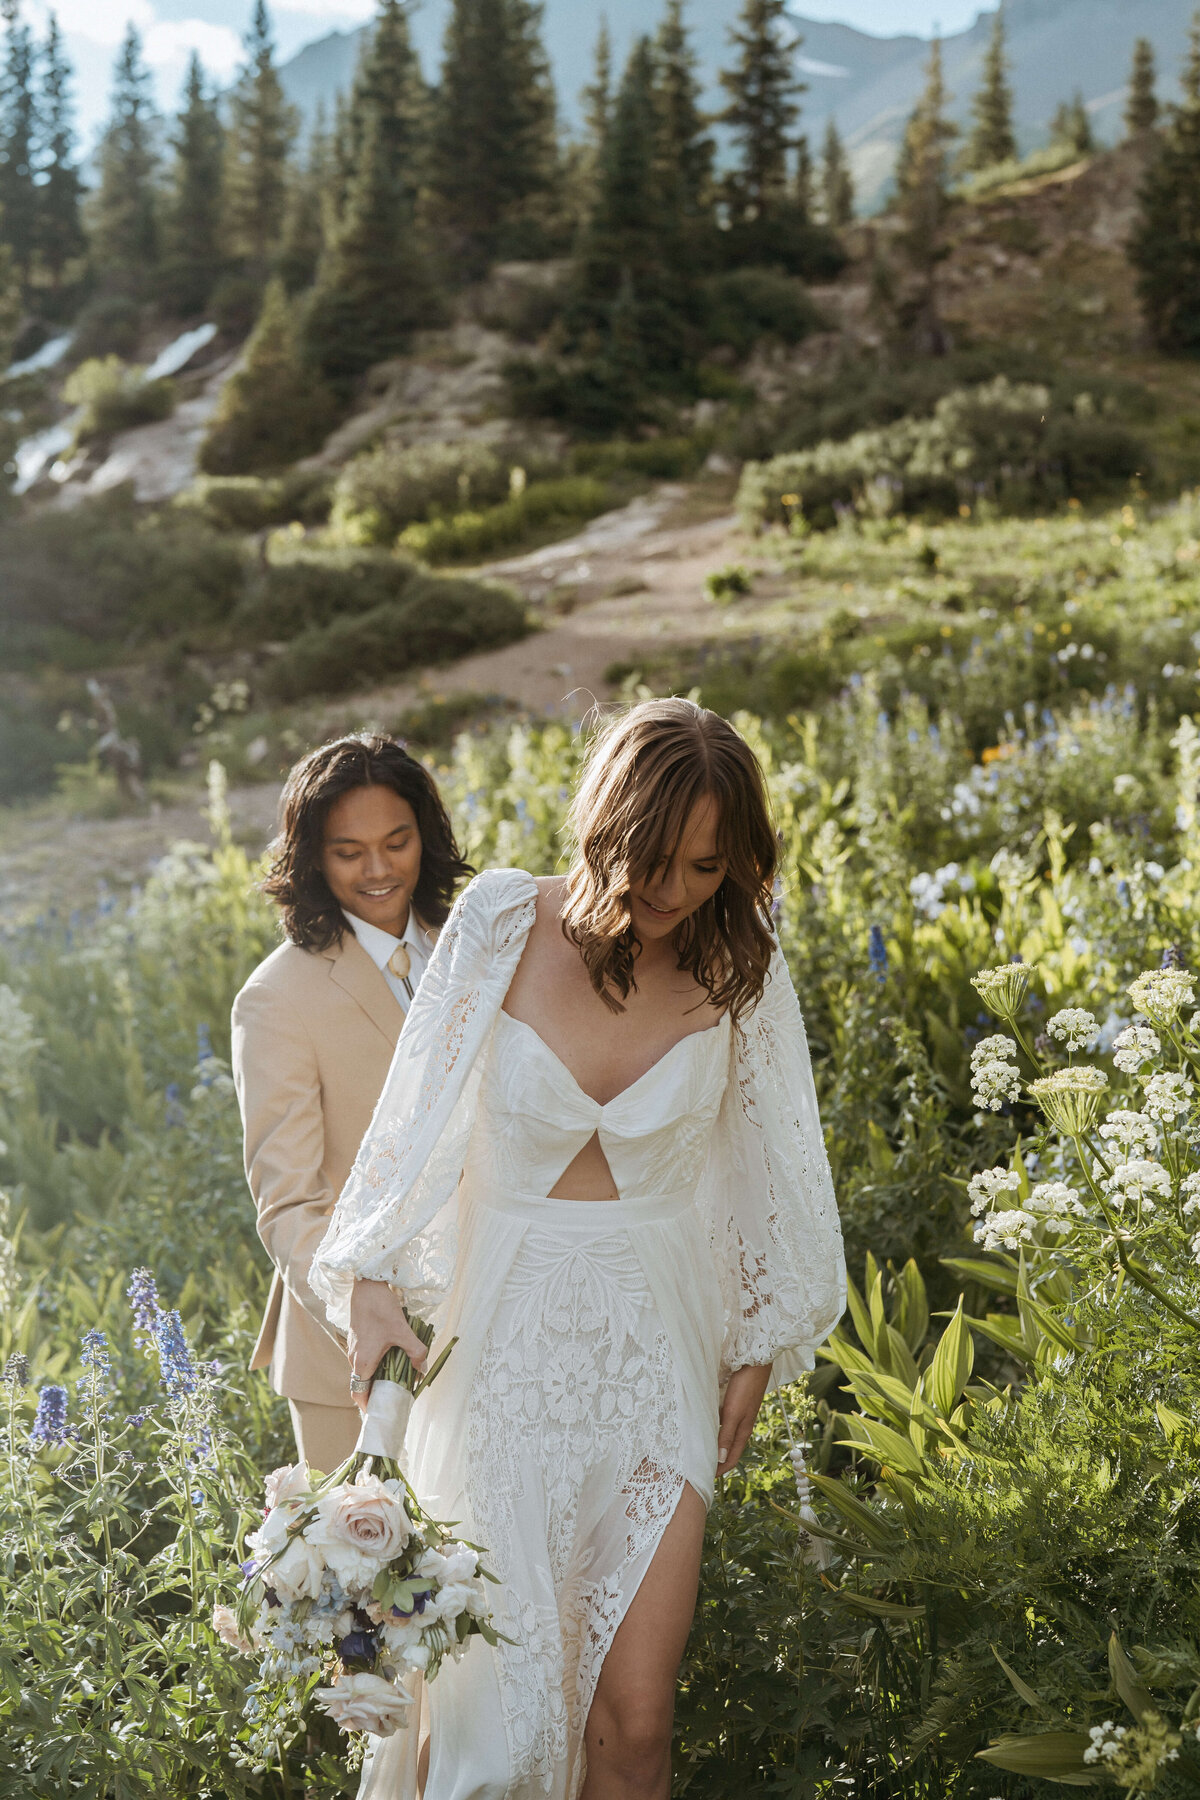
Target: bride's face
679 886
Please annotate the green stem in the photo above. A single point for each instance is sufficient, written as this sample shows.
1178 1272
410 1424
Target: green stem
1140 1277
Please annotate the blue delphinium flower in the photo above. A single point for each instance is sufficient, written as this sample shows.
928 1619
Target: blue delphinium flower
173 1113
16 1371
877 954
1172 957
142 1294
174 1358
359 1646
204 1055
50 1423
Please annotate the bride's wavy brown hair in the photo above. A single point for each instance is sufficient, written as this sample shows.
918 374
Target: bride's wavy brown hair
643 776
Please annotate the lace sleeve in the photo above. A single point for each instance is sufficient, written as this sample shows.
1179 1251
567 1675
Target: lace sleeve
773 1217
396 1219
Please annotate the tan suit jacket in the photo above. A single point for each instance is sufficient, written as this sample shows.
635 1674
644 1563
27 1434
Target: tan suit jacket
313 1036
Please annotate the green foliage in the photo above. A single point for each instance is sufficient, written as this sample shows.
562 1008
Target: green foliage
1141 107
542 506
252 502
274 408
394 484
125 232
261 128
194 248
114 397
109 325
1072 128
1001 440
61 241
729 583
746 305
761 110
430 620
837 182
992 139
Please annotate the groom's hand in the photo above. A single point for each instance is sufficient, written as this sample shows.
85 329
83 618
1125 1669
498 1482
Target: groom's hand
377 1322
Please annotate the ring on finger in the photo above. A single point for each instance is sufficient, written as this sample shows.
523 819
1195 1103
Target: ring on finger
359 1385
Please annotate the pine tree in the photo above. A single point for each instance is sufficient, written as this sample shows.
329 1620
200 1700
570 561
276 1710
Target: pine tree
275 407
374 284
837 183
60 236
685 147
1141 108
803 181
992 138
1165 246
308 212
494 160
261 128
1072 128
630 302
922 199
762 111
597 95
125 225
18 140
194 212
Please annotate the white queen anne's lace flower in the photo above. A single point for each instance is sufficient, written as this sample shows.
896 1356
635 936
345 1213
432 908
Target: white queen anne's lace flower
1057 1203
994 1076
1005 1229
1189 1192
1074 1028
1167 1096
1162 994
1136 1045
986 1188
1133 1133
1141 1182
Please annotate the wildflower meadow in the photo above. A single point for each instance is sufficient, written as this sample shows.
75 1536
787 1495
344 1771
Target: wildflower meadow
991 1589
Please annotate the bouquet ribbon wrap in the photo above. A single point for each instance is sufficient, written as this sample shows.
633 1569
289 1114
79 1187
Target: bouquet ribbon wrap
385 1420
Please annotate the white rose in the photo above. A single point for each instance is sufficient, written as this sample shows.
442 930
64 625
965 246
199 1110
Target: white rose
298 1573
272 1534
286 1483
417 1656
402 1636
462 1564
452 1599
432 1565
367 1702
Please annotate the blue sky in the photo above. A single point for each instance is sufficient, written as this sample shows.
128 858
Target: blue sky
171 29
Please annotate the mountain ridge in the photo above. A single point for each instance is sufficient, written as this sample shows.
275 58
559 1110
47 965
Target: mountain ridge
867 84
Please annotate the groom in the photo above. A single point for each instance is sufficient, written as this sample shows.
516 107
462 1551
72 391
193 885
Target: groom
364 870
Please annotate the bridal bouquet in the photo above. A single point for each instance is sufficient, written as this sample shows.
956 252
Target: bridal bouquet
351 1586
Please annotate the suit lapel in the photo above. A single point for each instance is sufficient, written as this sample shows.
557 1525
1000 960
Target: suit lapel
356 974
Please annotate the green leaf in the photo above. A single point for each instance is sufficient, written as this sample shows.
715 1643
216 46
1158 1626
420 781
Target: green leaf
878 1609
863 1518
952 1363
1000 1277
1052 1755
1136 1696
1023 1688
912 1306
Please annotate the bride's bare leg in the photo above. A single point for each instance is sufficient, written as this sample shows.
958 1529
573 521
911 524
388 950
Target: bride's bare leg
628 1736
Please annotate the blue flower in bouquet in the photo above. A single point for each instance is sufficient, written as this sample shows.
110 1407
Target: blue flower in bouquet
50 1421
175 1359
359 1646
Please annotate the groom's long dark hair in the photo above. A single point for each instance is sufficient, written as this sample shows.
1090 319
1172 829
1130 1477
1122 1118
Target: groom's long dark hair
311 916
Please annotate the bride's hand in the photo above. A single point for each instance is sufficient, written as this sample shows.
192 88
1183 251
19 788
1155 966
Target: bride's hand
377 1322
739 1409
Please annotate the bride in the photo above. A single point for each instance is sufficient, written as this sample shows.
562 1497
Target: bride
597 1162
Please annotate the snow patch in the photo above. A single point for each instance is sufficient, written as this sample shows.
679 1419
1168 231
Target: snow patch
51 352
179 353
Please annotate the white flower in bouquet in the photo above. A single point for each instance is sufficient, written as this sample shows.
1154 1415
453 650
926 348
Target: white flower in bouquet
1133 1133
1007 1229
299 1572
1074 1028
367 1702
1167 1096
1162 994
986 1188
272 1534
360 1526
994 1076
1141 1182
1136 1045
287 1483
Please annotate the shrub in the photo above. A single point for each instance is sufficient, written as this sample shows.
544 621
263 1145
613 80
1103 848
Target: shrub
389 487
662 458
109 325
314 587
433 621
1002 440
274 407
115 397
469 536
745 305
253 502
729 583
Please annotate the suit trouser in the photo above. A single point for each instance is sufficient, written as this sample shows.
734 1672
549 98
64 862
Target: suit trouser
325 1435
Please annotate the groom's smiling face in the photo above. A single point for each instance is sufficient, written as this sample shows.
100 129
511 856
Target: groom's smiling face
371 856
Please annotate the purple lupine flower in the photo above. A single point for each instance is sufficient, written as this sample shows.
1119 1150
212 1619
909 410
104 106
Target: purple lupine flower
50 1423
142 1294
175 1363
16 1371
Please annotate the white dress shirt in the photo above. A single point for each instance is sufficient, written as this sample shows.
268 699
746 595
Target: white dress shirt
379 946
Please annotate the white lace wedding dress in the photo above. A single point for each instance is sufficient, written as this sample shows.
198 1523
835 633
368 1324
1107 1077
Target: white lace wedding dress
593 1337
